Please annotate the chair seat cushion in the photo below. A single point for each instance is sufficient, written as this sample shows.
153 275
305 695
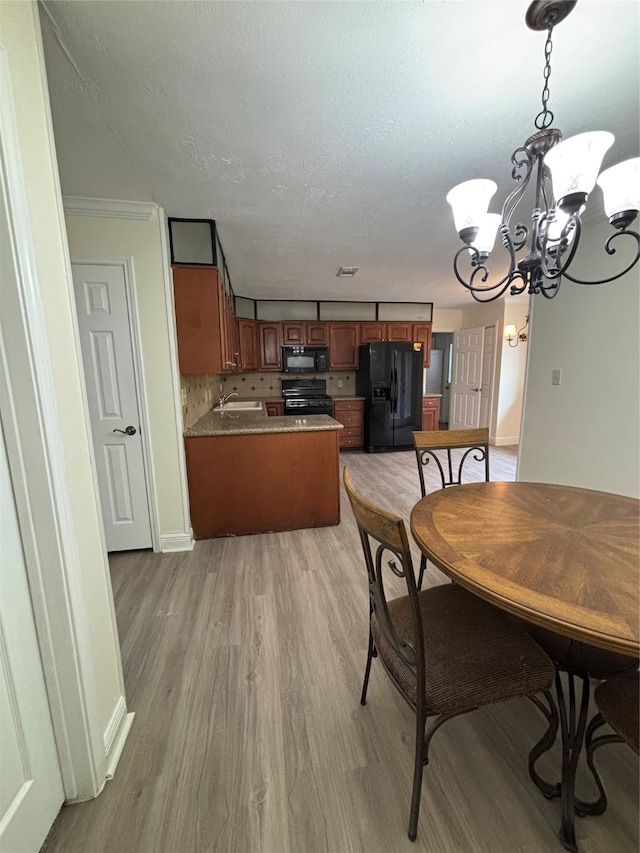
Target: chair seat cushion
617 701
474 654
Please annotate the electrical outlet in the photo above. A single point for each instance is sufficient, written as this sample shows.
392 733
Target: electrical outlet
556 377
340 383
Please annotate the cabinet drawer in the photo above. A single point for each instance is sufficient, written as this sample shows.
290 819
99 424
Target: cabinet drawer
349 418
352 432
351 441
430 403
348 405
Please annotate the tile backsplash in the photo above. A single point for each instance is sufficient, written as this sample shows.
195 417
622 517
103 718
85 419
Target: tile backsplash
198 394
269 384
201 393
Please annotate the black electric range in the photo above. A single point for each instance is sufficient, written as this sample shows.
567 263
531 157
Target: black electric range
306 397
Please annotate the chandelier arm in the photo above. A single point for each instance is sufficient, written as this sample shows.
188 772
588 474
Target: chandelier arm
525 162
554 272
481 269
610 250
551 290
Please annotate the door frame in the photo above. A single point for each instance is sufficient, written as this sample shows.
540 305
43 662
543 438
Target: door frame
126 263
37 464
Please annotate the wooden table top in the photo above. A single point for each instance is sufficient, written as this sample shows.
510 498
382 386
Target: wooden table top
564 558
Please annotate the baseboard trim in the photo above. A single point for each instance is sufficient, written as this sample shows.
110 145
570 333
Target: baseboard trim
509 439
117 745
170 542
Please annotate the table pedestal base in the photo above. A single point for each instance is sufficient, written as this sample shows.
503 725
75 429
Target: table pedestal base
572 728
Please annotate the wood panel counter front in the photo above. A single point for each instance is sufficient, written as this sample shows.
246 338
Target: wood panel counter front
261 475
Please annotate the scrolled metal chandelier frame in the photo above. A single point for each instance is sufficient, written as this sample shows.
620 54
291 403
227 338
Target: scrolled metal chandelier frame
556 226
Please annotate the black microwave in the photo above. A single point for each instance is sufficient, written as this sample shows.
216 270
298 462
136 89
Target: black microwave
301 359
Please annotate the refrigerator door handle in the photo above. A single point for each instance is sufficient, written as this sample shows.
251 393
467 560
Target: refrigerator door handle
395 391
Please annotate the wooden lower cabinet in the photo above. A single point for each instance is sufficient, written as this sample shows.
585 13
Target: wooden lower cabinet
260 483
351 414
274 409
430 413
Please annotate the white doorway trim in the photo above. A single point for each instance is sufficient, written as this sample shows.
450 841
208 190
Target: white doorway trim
136 348
177 541
36 458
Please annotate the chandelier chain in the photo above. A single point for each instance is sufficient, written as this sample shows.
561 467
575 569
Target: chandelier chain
545 116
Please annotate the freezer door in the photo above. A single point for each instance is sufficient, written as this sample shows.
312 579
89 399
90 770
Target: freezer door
378 409
406 400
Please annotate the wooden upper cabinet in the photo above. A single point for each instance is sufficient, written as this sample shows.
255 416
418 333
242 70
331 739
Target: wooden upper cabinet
248 344
200 320
270 344
293 334
301 334
399 331
371 333
422 333
344 339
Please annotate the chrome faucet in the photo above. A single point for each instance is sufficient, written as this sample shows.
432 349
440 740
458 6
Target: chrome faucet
226 397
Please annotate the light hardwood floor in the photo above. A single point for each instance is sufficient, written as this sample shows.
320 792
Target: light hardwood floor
243 662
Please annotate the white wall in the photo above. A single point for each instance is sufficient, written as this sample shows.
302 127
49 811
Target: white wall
446 319
20 36
586 431
99 237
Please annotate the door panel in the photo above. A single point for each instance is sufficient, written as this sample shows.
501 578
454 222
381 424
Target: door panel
408 394
30 783
467 378
107 351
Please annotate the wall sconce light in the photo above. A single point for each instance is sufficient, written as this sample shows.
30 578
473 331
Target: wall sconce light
511 333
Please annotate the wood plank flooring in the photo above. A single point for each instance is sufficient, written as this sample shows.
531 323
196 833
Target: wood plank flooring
243 662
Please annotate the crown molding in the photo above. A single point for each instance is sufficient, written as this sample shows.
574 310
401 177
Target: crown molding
78 206
593 216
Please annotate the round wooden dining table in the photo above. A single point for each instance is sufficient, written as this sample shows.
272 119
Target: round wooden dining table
563 558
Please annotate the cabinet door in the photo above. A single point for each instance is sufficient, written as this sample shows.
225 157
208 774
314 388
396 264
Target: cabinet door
371 333
293 334
422 333
248 344
270 337
199 322
274 409
430 413
343 345
316 334
399 331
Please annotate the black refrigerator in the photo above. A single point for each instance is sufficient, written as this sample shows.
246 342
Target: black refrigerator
390 379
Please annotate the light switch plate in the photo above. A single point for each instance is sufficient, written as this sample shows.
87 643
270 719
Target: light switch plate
556 377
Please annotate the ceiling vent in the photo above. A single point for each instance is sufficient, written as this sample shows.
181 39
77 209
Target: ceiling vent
347 272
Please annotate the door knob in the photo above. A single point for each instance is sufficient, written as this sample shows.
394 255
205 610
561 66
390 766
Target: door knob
130 430
477 389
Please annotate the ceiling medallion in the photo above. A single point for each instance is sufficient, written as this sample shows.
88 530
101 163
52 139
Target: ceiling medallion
564 174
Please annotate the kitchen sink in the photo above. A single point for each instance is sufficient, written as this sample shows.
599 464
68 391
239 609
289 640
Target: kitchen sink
240 406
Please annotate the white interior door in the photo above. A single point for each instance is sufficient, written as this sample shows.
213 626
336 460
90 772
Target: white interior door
30 783
107 353
488 358
466 387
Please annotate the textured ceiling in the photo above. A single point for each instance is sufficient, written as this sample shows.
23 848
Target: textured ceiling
325 134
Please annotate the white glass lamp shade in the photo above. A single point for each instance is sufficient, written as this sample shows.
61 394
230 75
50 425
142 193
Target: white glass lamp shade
469 202
487 231
574 166
620 187
510 331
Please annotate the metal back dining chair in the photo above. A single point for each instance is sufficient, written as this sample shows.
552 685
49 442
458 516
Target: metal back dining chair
448 454
446 651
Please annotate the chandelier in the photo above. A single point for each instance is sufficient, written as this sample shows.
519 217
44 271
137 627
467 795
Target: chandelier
564 175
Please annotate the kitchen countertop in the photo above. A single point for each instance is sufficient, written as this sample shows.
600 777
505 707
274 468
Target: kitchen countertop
252 423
